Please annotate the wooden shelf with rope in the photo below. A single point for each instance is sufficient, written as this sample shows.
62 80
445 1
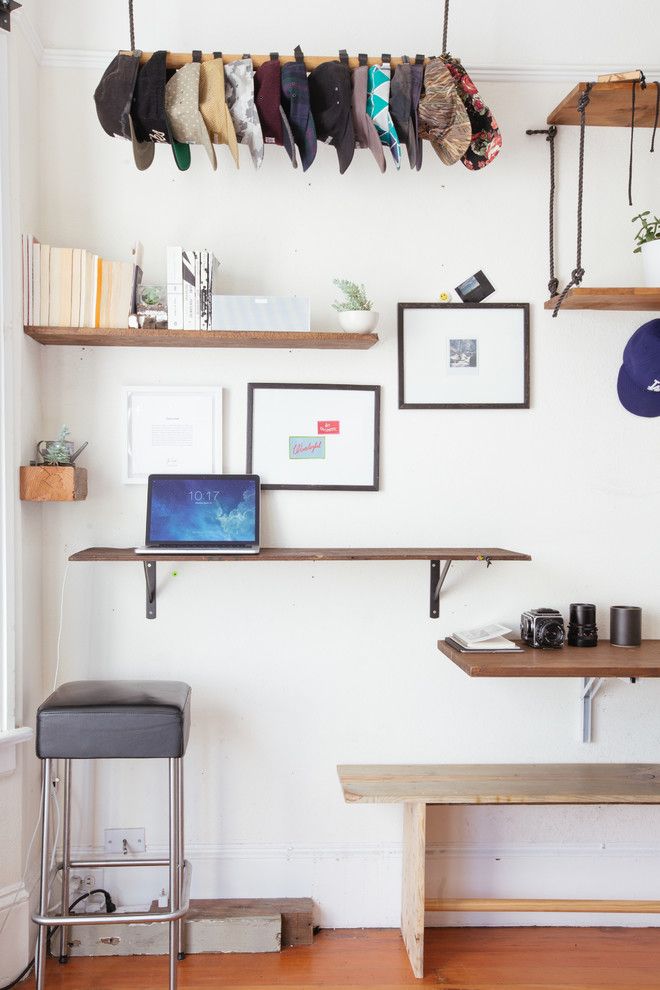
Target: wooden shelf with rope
627 298
610 105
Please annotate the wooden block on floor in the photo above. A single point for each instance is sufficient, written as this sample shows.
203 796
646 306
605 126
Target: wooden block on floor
42 483
297 914
233 933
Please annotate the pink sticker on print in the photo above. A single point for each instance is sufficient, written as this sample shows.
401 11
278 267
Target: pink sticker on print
326 426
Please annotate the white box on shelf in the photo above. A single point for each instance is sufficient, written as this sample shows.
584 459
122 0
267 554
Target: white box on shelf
289 313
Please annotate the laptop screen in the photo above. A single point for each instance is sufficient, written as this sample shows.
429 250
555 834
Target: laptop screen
213 510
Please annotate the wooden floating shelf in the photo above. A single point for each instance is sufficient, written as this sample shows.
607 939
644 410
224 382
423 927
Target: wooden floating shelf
610 105
46 483
435 556
627 298
308 553
603 660
125 337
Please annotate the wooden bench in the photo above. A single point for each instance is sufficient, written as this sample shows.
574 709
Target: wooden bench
417 786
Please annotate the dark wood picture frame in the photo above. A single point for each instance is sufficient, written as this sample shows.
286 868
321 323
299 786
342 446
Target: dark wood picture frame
401 309
374 487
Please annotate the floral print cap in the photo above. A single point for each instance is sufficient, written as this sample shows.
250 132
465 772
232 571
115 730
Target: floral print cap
486 138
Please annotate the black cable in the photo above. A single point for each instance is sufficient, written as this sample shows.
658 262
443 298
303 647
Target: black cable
110 908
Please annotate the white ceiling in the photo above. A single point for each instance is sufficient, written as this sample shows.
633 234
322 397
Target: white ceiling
508 33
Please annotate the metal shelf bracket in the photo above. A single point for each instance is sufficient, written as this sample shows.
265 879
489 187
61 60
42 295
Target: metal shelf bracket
590 688
150 581
439 571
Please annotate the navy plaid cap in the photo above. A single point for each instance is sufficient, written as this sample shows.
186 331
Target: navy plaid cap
297 108
400 108
416 86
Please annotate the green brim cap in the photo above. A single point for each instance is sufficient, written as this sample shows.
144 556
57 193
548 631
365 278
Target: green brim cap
181 154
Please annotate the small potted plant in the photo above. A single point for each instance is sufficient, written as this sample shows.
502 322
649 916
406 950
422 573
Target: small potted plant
647 239
356 314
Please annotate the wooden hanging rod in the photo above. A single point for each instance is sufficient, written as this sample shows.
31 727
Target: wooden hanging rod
176 59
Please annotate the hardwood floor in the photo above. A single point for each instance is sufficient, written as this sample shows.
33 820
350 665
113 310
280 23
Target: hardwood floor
456 959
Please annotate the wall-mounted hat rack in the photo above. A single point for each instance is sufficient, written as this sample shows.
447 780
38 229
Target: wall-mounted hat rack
175 60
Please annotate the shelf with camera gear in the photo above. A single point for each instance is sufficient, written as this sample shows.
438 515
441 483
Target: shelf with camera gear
592 663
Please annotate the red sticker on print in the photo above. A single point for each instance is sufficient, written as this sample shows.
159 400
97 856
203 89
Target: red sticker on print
328 426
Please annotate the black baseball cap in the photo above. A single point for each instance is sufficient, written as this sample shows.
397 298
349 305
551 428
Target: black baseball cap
330 99
148 120
114 94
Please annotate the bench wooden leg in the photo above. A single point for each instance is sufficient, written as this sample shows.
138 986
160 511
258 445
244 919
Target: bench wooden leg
412 890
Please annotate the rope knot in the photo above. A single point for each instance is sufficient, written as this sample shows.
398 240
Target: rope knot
553 286
577 275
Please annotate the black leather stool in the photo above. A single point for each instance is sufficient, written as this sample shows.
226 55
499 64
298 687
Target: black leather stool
110 720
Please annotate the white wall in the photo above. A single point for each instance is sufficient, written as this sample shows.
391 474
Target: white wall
298 667
19 790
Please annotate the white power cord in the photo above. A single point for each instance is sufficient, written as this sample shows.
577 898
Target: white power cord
61 624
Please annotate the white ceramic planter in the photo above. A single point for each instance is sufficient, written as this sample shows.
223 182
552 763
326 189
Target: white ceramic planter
651 264
360 320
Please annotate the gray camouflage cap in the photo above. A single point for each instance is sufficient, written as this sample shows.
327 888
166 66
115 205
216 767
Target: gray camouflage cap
239 92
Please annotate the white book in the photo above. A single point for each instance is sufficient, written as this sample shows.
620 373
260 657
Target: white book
24 269
76 263
82 295
36 282
189 289
174 288
204 308
469 637
44 290
494 643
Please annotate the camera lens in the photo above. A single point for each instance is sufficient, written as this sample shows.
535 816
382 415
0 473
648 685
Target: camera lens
552 634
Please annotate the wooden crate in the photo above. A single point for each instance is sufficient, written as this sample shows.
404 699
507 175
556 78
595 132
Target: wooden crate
42 483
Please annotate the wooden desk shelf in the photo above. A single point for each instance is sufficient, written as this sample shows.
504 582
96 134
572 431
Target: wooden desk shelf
124 337
609 105
439 558
603 660
627 298
592 664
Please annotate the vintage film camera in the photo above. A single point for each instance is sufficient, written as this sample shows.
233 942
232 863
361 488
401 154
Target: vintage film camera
542 628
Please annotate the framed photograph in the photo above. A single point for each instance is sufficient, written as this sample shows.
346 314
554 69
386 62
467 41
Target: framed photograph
172 429
463 355
303 437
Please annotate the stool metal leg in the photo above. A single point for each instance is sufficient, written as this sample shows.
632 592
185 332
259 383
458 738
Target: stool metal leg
66 858
42 938
173 867
181 858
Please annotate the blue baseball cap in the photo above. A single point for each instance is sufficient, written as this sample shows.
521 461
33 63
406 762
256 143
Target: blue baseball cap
639 378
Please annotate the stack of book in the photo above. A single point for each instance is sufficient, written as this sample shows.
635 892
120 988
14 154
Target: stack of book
191 278
71 287
483 639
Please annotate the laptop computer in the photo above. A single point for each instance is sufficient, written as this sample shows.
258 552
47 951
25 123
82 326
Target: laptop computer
202 513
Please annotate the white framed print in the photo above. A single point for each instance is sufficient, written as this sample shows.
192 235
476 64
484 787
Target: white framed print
314 436
172 429
463 355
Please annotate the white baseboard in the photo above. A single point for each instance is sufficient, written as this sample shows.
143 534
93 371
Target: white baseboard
15 940
355 886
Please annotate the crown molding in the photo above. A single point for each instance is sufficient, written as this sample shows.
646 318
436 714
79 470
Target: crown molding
76 58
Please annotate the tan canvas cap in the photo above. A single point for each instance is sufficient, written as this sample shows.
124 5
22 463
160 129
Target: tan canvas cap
182 108
443 118
213 105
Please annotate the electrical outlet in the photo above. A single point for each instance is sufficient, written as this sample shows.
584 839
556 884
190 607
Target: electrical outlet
88 883
124 841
